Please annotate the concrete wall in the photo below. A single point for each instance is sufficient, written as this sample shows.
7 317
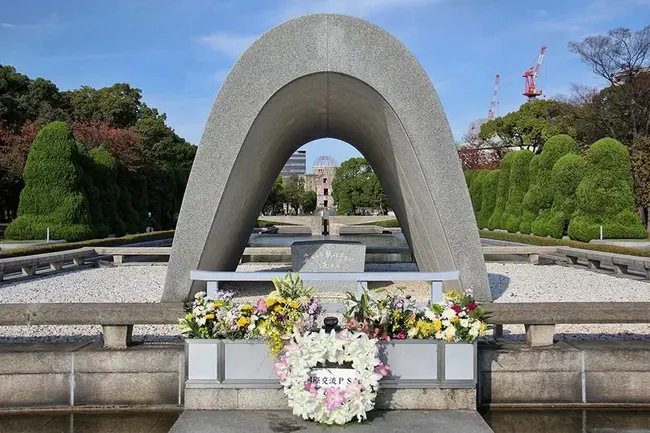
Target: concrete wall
576 372
33 375
45 375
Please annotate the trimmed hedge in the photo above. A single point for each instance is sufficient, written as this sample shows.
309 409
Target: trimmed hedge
605 197
496 220
476 189
106 242
518 186
52 196
552 242
489 197
105 176
565 177
541 190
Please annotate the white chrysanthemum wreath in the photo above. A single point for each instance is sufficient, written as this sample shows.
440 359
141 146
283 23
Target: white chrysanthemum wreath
334 404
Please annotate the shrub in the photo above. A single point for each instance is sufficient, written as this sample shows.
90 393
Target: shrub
476 190
540 191
496 221
604 196
52 196
518 186
565 177
489 197
105 175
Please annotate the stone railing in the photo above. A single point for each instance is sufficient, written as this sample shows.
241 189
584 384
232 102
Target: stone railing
117 319
29 265
540 318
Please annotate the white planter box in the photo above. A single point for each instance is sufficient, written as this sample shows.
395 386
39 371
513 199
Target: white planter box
414 364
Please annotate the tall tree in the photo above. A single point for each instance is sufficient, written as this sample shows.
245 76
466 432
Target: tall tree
294 192
356 185
275 200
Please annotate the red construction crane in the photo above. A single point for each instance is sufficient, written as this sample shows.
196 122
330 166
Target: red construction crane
495 99
530 77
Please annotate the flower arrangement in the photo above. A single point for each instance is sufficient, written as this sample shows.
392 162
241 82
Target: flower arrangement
331 401
289 309
217 317
456 319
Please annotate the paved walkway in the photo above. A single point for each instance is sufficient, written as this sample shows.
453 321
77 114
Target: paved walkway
284 422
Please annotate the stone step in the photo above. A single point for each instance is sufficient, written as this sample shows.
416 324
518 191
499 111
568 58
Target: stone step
412 421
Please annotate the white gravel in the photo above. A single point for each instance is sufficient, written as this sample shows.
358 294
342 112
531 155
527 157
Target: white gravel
510 282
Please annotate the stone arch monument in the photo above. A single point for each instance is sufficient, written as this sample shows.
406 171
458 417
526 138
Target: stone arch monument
321 76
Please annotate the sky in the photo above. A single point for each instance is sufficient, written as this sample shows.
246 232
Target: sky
179 52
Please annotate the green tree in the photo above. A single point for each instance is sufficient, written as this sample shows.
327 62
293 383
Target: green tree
275 200
356 185
605 195
294 192
52 197
540 192
118 105
497 221
309 201
518 181
531 126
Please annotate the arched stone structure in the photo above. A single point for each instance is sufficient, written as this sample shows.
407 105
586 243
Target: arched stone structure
326 76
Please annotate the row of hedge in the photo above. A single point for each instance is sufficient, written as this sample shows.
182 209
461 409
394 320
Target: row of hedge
105 242
558 192
80 194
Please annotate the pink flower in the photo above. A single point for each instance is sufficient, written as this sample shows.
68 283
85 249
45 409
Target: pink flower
400 335
471 306
261 306
456 308
282 368
333 398
353 390
311 387
382 369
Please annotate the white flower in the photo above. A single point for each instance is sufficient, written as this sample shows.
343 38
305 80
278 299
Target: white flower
429 314
450 332
449 314
464 323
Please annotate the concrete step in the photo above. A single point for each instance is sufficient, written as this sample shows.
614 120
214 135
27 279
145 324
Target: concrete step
412 421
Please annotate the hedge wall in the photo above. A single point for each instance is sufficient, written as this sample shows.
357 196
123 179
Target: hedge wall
604 196
518 186
52 196
496 220
565 177
476 190
540 191
489 197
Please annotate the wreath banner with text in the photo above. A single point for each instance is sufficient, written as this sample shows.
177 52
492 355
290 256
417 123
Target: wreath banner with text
332 377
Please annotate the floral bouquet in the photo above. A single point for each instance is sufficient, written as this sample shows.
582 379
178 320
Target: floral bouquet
217 317
288 310
457 318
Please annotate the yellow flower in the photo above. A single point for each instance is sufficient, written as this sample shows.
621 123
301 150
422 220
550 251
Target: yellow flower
209 316
452 295
270 302
294 304
219 304
277 307
455 319
243 321
437 325
247 307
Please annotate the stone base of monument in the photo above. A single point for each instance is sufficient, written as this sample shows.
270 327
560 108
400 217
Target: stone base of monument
425 374
329 256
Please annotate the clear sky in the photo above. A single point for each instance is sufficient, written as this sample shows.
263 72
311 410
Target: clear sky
178 52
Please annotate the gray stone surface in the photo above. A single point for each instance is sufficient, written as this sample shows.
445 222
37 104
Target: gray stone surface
394 399
126 388
539 335
283 421
326 76
329 256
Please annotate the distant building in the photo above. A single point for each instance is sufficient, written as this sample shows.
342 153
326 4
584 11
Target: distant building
320 181
475 126
624 77
296 165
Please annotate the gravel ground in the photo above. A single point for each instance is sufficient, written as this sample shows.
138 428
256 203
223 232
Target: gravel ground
510 282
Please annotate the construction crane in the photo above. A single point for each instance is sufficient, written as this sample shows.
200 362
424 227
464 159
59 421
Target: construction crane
530 77
495 99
